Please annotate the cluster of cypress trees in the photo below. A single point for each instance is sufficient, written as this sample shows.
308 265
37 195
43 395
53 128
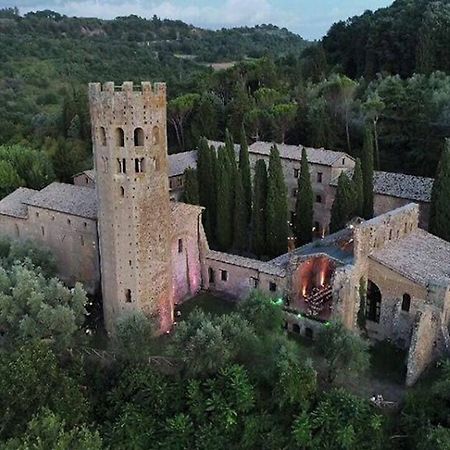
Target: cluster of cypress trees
354 197
238 218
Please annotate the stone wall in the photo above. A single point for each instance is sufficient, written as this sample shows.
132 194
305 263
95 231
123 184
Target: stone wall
237 276
71 239
83 179
385 203
422 350
187 257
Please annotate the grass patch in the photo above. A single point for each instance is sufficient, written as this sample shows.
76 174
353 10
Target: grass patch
207 302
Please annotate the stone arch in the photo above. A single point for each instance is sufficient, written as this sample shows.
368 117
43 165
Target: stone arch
373 303
155 135
138 137
120 137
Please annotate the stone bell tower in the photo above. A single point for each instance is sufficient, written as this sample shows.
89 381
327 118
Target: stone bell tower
130 158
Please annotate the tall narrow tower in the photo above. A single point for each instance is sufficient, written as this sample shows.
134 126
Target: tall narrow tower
130 154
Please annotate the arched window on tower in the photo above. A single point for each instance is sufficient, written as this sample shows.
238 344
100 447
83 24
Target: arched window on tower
138 137
122 191
102 136
406 302
155 135
120 137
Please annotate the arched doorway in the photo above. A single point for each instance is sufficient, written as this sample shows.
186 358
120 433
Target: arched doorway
373 303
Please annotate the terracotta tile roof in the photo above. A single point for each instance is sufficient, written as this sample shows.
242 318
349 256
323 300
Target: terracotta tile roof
241 261
400 185
14 204
421 257
67 198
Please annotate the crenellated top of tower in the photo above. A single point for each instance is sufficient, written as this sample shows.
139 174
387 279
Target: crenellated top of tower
128 92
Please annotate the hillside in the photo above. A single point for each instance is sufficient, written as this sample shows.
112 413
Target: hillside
407 37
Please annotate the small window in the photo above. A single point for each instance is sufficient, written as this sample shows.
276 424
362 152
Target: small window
139 165
224 275
120 137
180 245
296 173
406 227
85 224
406 302
296 328
211 275
68 222
82 240
254 282
180 182
390 234
138 137
319 177
37 214
128 295
43 231
155 135
309 334
294 192
121 165
272 287
318 199
122 191
343 161
86 180
105 164
171 183
102 136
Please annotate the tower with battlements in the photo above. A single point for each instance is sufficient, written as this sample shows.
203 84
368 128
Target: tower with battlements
130 158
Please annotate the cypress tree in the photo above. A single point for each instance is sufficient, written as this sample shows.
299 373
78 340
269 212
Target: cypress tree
213 191
191 194
258 226
224 231
440 197
277 208
358 189
205 190
304 204
240 217
342 208
244 167
231 167
367 174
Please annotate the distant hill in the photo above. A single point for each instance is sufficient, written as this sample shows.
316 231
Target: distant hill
407 37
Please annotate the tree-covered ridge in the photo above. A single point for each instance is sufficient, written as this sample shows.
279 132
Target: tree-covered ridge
410 36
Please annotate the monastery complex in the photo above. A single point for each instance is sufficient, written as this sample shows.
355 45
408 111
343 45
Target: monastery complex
120 228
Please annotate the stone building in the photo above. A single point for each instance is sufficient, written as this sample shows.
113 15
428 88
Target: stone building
117 227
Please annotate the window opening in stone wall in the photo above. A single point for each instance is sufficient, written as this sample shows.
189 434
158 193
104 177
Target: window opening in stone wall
390 234
155 135
121 165
102 136
120 137
406 227
139 165
128 295
68 222
296 173
211 275
122 191
105 164
373 302
224 275
343 161
319 177
296 328
318 199
254 282
272 286
406 302
294 192
43 231
180 245
309 334
138 137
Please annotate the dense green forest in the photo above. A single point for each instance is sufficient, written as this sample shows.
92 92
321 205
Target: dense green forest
282 88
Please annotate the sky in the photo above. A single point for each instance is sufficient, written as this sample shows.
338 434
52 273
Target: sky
309 18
